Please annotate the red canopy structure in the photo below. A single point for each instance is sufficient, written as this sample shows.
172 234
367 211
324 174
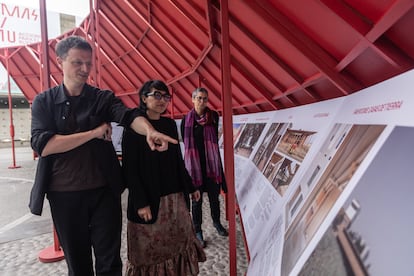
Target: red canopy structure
281 53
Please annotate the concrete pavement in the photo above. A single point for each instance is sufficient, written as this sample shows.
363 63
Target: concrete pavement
23 236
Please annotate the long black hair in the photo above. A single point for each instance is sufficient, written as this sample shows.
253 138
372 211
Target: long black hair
147 87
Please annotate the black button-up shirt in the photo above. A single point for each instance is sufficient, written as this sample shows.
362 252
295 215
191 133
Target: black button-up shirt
51 111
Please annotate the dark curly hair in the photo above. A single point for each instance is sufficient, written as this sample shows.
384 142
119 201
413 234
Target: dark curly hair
62 47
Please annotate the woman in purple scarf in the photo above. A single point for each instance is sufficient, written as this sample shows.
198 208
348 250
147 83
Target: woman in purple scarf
199 129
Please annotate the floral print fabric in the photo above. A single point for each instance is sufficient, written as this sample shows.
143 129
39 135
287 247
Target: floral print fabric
167 247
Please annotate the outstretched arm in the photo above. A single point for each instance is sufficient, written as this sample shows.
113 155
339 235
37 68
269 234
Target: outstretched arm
156 140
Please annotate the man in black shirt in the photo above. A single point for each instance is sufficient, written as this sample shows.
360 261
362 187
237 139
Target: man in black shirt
78 167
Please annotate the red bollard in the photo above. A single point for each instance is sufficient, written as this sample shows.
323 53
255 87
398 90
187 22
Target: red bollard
52 253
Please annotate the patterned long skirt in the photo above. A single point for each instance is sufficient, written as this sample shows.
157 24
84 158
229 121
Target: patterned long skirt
167 247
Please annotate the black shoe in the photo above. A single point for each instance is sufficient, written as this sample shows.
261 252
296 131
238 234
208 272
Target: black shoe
221 230
200 238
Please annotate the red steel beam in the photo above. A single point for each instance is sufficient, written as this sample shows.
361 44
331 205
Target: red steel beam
228 134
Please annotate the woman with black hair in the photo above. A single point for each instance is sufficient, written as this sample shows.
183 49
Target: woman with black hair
161 239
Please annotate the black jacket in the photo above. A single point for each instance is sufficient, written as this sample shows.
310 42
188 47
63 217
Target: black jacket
49 112
150 174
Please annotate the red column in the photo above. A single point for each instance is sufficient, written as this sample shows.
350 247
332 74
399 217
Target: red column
52 253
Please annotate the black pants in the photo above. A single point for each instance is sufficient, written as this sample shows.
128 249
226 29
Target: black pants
85 220
213 192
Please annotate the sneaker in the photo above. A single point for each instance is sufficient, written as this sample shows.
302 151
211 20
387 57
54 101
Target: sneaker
221 230
200 238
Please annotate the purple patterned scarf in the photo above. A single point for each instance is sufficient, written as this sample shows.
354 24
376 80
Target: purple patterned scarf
191 155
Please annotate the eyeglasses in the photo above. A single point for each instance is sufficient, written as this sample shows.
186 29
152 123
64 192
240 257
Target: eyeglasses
199 98
158 96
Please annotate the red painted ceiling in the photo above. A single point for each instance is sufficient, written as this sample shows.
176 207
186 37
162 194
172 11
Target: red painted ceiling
283 53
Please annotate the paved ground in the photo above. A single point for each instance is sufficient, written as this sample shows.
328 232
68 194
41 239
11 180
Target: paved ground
23 236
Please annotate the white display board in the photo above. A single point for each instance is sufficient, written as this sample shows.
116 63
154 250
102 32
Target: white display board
322 187
20 25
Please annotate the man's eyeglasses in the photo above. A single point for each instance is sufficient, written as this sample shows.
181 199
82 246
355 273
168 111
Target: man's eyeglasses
158 96
199 98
